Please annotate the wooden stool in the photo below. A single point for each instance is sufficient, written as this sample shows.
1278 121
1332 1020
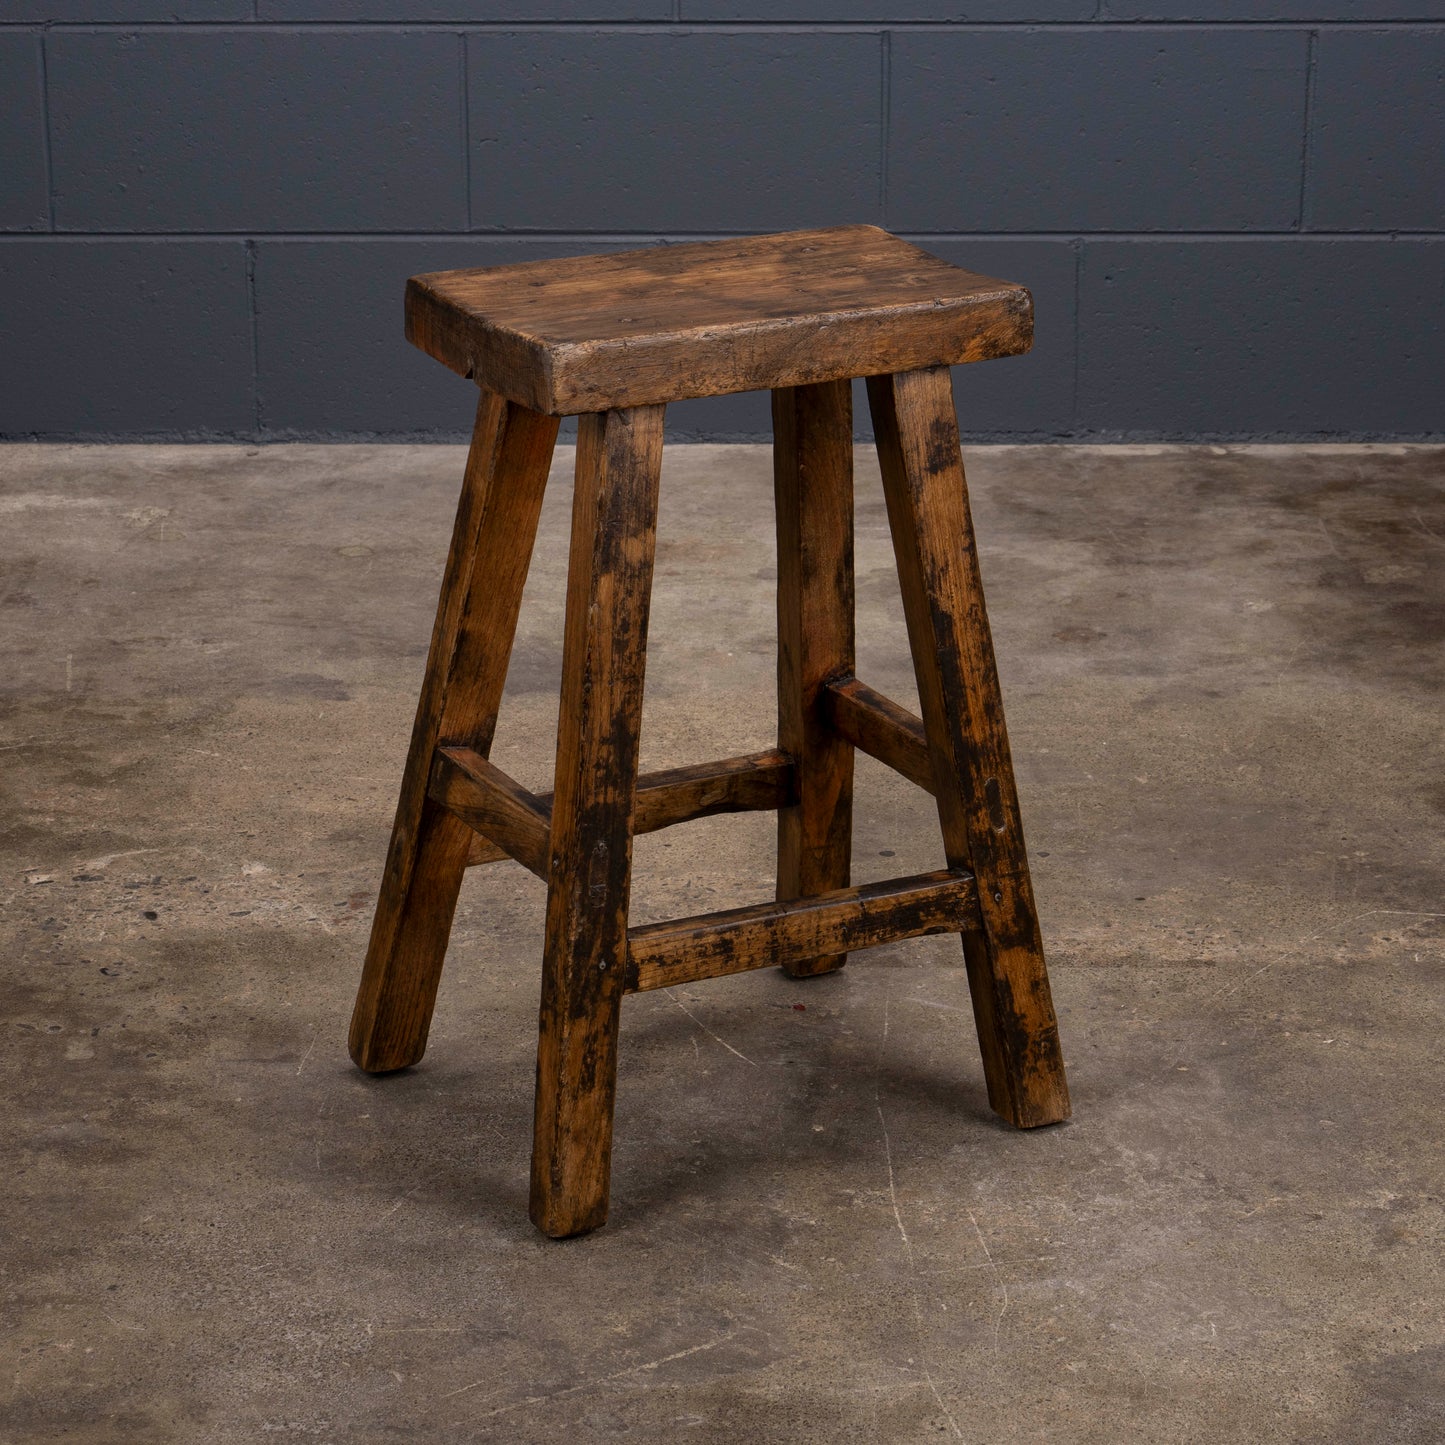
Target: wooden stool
615 338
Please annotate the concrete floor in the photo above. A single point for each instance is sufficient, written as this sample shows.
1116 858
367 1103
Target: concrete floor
1223 672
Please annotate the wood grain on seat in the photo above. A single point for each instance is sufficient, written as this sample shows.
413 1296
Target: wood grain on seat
643 327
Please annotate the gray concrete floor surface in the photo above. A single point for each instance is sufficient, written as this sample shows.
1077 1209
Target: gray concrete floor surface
1223 673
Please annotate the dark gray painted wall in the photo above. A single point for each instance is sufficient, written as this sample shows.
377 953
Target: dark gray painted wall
1232 212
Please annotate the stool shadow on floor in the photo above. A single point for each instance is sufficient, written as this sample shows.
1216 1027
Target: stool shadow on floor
794 1105
710 1101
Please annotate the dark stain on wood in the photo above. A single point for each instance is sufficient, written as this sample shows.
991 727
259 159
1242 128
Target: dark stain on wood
813 490
609 581
948 634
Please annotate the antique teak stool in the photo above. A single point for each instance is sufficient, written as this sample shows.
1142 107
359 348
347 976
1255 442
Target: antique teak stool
614 339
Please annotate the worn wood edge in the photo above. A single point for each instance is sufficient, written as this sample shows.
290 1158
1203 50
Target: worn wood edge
881 728
501 359
753 782
712 945
493 805
560 379
756 355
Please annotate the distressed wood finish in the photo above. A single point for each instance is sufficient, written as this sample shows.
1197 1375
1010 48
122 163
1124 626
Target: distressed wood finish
471 643
685 950
657 325
881 728
614 517
754 782
616 337
978 810
491 803
813 495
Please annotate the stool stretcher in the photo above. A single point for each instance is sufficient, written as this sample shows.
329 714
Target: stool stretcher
686 950
754 782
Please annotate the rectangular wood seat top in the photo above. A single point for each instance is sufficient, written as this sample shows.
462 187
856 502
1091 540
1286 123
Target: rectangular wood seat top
669 322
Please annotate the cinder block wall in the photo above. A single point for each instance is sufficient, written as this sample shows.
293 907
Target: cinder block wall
1230 211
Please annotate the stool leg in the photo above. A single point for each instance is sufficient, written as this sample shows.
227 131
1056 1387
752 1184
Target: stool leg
813 489
609 581
471 643
948 633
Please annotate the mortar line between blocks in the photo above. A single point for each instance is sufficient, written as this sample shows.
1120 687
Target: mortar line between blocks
885 126
254 310
466 123
45 129
1306 146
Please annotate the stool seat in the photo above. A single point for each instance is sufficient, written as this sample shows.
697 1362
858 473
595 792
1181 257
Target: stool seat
638 328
